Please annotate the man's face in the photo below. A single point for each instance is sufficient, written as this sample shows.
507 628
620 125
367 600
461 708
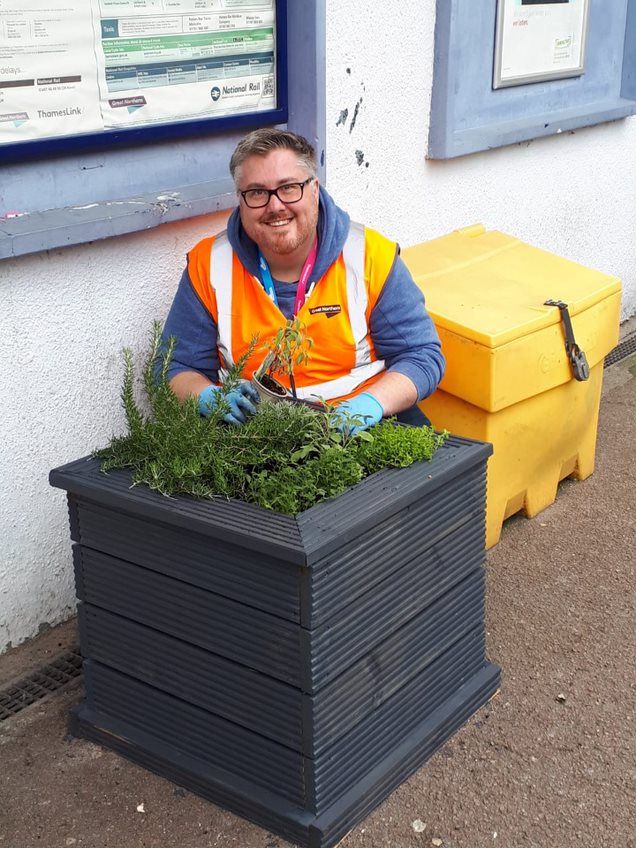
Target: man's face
278 228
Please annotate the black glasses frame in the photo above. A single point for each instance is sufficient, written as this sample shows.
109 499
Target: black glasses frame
274 191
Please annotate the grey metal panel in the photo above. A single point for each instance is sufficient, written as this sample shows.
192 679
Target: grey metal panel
252 577
244 524
230 690
390 604
196 732
468 115
373 739
327 526
364 561
225 627
387 668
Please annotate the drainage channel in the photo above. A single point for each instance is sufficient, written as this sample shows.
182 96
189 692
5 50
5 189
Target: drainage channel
622 350
41 683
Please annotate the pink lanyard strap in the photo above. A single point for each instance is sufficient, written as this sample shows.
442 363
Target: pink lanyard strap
305 274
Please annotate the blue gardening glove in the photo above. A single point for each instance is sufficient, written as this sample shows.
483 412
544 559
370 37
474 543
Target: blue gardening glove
241 401
366 410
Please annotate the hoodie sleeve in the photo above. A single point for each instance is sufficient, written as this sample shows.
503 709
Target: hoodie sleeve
195 332
403 333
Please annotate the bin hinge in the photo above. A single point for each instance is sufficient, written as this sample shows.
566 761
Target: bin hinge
578 360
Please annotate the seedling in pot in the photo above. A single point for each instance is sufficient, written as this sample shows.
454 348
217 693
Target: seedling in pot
289 347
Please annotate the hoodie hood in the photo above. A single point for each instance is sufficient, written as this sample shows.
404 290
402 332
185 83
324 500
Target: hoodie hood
333 228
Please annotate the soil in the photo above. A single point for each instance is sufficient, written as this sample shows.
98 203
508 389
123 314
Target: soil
548 763
273 385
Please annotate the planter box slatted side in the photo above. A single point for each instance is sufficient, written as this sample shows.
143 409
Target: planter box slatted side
370 741
273 766
246 525
266 705
329 828
271 811
370 619
217 624
356 567
392 664
307 659
331 524
251 577
211 782
196 732
229 690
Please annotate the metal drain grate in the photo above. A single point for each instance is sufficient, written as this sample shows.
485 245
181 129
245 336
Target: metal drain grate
40 684
622 350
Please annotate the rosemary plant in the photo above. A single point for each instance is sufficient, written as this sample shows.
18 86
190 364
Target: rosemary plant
287 457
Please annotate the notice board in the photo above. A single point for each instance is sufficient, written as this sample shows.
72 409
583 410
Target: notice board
87 70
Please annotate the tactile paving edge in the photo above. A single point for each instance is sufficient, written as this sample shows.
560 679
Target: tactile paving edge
50 678
622 350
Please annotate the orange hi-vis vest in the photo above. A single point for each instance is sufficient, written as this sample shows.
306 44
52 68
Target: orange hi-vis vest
342 360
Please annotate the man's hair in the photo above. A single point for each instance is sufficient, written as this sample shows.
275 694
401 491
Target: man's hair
262 141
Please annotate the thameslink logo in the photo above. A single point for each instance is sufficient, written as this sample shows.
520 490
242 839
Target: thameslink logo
60 113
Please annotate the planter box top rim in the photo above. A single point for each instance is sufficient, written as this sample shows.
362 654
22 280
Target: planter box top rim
302 538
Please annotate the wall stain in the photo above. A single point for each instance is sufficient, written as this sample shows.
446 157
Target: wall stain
360 157
355 116
344 114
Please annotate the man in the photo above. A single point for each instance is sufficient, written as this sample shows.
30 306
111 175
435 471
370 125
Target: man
289 250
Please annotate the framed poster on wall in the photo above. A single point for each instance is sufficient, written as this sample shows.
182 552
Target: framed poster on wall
539 40
95 72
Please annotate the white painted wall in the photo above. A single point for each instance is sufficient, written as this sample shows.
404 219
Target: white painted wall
66 314
573 194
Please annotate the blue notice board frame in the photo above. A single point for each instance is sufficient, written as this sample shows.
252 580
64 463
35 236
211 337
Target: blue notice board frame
131 136
469 115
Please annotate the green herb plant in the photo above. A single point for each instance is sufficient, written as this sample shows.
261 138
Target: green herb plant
286 457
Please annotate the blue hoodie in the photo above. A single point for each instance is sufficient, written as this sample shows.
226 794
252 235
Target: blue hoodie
402 331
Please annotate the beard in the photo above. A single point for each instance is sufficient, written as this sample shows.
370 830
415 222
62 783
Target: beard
287 239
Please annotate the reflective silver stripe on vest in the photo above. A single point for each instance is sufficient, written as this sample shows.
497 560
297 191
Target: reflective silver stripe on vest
357 294
221 282
341 385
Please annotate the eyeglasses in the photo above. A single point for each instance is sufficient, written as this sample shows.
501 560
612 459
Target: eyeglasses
256 198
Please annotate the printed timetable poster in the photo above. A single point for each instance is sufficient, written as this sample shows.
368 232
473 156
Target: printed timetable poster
71 67
539 40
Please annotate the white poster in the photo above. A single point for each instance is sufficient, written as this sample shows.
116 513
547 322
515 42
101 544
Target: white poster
81 66
539 40
48 74
165 60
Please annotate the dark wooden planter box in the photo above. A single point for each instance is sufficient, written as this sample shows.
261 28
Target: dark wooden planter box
292 669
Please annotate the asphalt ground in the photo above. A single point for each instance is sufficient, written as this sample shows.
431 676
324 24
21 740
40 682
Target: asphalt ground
548 762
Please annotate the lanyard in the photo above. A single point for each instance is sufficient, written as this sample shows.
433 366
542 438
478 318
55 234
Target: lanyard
301 291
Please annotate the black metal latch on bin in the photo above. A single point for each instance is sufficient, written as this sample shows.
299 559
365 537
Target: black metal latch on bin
578 360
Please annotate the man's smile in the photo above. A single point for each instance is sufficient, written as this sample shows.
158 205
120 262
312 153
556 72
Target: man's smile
279 222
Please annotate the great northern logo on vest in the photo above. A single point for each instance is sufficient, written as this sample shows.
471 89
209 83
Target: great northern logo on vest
329 311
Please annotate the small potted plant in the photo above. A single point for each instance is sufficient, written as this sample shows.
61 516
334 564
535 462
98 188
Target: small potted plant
289 347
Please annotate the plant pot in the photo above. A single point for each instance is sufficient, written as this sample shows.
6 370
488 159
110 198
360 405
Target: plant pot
282 394
293 669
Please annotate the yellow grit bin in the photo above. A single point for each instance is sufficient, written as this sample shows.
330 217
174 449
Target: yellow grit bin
508 378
